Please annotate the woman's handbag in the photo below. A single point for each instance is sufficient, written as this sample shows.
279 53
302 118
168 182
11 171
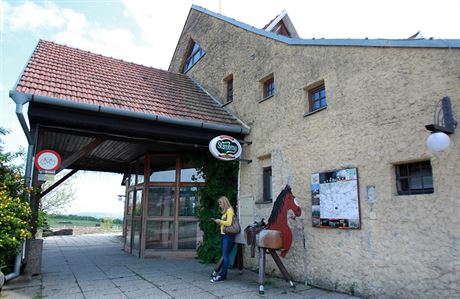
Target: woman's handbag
234 228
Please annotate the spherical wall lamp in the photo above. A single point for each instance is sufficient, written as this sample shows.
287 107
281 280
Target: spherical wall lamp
443 125
438 141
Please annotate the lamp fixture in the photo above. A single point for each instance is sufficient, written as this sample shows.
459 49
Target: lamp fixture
443 125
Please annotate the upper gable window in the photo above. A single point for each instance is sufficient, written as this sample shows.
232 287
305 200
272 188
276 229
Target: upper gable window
195 54
316 97
267 86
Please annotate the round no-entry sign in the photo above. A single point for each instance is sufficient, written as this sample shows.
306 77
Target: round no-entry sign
47 160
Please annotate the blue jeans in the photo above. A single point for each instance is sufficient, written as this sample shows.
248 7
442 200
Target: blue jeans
226 246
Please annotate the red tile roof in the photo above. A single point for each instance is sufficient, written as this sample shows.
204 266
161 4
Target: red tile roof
66 73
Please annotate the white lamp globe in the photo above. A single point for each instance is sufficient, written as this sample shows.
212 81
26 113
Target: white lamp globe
438 141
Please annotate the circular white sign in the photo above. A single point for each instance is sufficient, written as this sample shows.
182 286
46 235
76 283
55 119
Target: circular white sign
225 148
48 160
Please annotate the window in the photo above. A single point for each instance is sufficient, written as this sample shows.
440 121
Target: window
414 178
229 88
195 54
267 184
269 87
317 98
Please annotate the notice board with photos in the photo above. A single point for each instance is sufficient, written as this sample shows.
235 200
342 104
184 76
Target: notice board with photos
335 199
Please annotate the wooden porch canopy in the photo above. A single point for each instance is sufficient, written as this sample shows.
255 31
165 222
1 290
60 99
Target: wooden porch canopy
76 96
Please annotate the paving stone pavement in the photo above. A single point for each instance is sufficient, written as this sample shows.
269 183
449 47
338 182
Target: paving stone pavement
94 266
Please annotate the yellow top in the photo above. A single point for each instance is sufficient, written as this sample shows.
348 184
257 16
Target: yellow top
226 219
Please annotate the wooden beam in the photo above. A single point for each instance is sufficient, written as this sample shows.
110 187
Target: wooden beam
81 153
63 179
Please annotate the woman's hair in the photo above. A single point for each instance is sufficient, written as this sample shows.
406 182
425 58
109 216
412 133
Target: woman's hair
227 204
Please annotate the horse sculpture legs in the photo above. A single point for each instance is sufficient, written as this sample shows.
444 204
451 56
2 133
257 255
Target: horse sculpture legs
279 263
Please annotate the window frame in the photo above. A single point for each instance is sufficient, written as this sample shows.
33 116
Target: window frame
409 176
269 87
267 184
311 101
192 55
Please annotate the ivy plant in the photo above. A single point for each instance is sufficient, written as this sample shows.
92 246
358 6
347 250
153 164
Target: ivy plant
221 180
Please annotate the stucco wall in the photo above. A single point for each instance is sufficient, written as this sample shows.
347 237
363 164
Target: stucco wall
378 102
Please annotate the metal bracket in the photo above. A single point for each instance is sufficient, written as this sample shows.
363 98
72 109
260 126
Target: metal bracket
443 119
245 160
244 142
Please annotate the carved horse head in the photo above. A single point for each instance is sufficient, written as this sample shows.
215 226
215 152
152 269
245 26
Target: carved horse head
278 218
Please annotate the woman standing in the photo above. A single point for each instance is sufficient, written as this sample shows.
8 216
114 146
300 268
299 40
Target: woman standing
226 241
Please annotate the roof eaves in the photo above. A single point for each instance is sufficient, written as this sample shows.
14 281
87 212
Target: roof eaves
68 103
246 127
394 43
397 43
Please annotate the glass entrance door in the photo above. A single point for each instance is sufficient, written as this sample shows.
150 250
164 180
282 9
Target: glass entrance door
169 201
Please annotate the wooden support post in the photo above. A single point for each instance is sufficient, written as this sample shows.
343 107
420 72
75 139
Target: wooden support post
261 270
35 203
239 257
63 179
280 265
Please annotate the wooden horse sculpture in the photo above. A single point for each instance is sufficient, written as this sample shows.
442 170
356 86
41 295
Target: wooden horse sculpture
277 235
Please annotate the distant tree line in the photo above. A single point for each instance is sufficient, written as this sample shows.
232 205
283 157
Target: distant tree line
86 218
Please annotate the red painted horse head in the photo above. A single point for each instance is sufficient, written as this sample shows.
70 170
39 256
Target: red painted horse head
278 218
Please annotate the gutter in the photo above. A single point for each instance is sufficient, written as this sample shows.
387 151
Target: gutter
132 114
20 100
219 103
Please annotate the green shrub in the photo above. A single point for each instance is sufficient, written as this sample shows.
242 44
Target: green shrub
15 212
14 225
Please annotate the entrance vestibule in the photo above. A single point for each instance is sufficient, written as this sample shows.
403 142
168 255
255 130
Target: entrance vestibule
161 200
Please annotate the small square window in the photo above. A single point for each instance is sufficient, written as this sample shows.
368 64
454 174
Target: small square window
269 87
267 184
317 98
414 178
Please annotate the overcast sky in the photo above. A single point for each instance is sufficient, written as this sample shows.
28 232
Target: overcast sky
146 32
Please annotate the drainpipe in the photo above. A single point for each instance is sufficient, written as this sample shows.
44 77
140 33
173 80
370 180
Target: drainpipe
17 264
20 100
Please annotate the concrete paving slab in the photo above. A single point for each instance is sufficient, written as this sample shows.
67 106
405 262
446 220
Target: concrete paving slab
22 293
203 295
61 292
68 296
151 293
94 266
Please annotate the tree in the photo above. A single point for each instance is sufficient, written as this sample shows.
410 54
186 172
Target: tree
14 209
58 200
